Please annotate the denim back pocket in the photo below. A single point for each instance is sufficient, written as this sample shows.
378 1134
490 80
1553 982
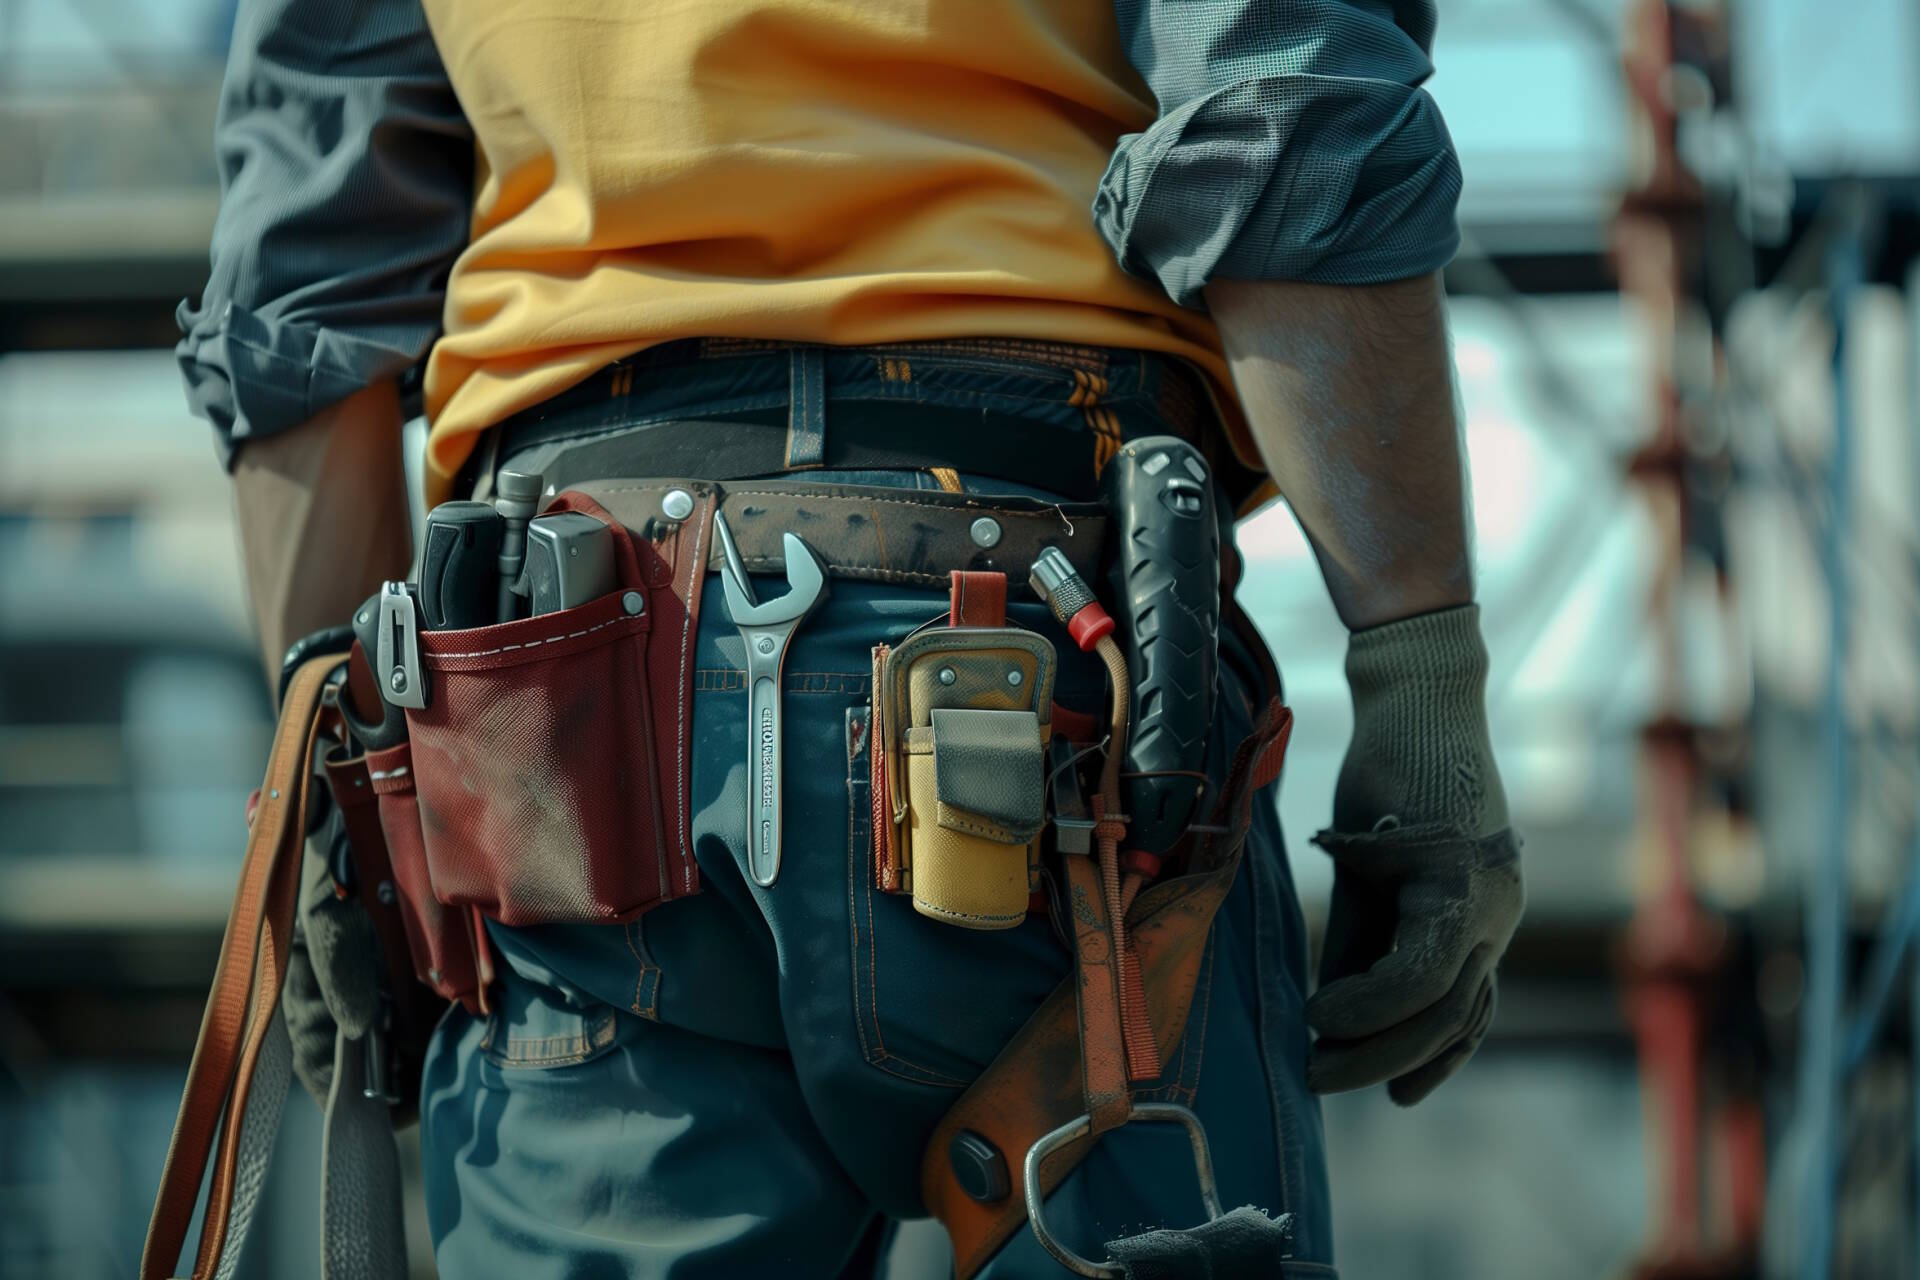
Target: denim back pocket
536 1026
931 1003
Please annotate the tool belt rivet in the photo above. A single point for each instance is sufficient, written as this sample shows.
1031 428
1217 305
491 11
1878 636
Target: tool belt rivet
677 505
979 1167
947 676
986 531
633 602
386 892
1013 677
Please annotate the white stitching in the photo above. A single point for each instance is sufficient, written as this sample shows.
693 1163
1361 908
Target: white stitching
381 775
1051 511
530 644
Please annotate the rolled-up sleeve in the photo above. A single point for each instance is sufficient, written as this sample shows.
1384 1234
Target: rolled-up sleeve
1293 143
346 184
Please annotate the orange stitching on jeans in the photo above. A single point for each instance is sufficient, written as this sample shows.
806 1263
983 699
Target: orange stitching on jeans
1206 1012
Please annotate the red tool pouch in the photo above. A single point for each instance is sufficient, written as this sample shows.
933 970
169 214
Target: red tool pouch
438 936
536 759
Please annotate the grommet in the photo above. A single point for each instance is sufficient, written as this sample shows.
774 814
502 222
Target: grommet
386 892
947 676
633 602
978 1167
986 532
1014 677
678 504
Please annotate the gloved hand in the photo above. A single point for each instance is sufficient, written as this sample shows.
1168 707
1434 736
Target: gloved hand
333 968
1427 887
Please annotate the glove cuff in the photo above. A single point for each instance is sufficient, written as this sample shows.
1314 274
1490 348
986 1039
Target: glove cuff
1420 752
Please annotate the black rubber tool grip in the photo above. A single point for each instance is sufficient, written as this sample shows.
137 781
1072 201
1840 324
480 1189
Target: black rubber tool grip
460 566
1166 580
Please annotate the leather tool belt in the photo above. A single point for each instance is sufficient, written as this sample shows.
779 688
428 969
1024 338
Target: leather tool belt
598 697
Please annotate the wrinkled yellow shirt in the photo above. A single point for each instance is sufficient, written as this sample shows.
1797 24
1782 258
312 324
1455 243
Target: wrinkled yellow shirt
839 171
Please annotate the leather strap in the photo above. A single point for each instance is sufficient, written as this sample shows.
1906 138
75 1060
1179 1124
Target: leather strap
1103 1059
246 993
1039 1083
911 537
416 1007
362 1223
977 599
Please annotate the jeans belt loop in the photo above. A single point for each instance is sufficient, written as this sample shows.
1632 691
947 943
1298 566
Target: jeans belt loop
807 423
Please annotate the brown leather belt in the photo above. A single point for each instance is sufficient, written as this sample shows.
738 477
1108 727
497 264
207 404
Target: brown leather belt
910 537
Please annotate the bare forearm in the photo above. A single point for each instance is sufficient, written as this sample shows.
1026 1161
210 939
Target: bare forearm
322 514
1349 390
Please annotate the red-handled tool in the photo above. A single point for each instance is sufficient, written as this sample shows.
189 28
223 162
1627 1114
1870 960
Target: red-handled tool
1071 599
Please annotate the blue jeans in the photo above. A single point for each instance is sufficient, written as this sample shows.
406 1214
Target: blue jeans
742 1082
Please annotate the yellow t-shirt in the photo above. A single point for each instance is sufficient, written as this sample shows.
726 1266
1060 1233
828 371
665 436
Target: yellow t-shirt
838 171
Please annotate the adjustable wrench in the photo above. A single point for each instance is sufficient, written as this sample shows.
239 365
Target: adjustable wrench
766 628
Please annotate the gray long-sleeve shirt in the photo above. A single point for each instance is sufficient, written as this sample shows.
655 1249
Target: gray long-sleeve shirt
1293 143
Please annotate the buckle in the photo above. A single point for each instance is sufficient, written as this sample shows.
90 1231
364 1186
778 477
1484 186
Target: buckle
1165 1112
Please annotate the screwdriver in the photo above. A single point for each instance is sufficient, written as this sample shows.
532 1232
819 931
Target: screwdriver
517 499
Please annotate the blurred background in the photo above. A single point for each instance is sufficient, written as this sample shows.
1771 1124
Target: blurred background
1686 327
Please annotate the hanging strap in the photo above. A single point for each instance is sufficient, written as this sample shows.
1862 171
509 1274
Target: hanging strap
1043 1083
243 1042
977 599
362 1224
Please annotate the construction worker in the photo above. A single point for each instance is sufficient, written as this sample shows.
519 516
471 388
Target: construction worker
896 236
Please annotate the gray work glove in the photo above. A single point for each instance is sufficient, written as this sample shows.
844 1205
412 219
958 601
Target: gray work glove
1427 889
333 967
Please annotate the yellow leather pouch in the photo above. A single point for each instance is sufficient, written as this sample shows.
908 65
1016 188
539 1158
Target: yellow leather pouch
964 724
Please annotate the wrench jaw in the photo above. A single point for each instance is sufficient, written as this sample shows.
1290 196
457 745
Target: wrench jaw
806 586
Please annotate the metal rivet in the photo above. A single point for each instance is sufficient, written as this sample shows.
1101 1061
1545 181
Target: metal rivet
678 504
433 976
986 532
765 644
1014 677
978 1167
398 680
633 602
387 893
274 794
947 676
361 617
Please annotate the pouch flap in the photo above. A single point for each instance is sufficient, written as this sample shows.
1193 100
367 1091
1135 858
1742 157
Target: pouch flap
988 775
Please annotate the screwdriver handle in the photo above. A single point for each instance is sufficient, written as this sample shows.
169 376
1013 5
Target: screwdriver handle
1166 580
